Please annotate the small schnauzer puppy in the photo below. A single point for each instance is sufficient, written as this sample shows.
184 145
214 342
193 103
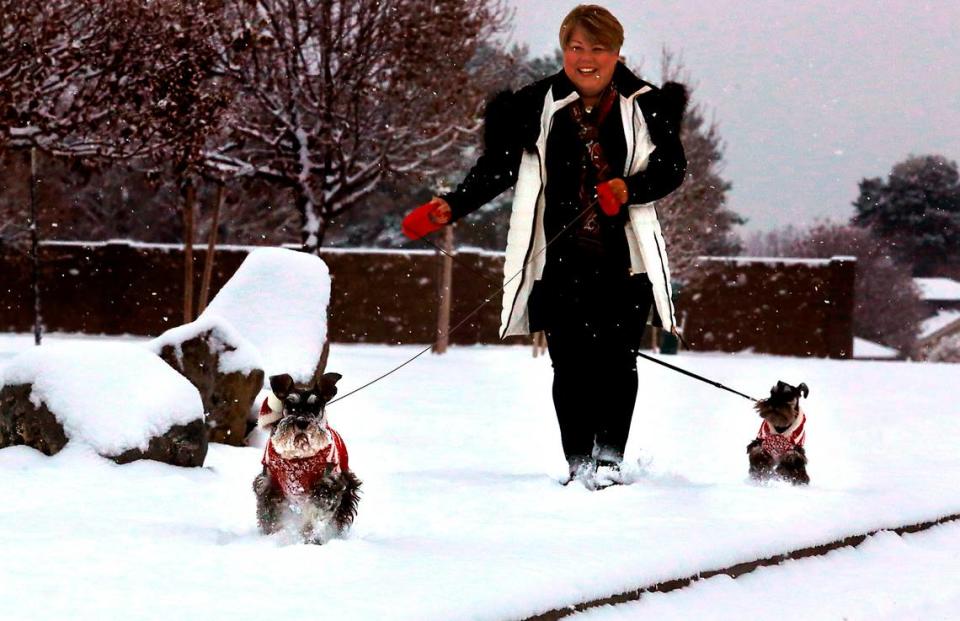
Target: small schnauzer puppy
777 452
306 482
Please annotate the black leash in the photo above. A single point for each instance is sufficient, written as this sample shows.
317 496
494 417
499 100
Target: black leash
477 309
694 375
490 283
471 314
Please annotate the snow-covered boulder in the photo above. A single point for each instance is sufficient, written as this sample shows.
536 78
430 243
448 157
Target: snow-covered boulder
223 366
277 300
119 399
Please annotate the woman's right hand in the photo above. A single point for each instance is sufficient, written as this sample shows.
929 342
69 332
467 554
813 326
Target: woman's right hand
427 218
441 213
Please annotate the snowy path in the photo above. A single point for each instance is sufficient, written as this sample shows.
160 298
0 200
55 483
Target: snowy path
461 516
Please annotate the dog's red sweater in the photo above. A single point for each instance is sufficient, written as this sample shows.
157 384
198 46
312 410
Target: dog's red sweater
296 477
779 443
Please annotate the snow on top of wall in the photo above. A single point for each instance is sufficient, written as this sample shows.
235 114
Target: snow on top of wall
941 320
244 358
938 288
779 260
109 396
277 300
862 348
202 246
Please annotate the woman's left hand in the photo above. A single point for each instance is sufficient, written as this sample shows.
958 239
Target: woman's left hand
612 194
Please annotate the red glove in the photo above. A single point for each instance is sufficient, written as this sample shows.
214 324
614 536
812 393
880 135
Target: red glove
422 221
612 194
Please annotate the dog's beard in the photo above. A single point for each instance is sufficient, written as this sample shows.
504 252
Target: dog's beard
293 443
780 416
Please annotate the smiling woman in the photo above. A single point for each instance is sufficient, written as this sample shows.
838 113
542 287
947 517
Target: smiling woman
591 40
588 151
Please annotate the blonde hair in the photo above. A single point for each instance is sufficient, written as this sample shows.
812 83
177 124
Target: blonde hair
598 24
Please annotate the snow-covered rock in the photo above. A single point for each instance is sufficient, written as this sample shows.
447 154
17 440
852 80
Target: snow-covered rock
223 366
277 300
118 399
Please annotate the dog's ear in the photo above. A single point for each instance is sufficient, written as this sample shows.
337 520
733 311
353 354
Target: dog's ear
804 390
328 385
281 385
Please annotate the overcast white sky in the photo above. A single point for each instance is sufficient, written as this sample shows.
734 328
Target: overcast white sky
810 95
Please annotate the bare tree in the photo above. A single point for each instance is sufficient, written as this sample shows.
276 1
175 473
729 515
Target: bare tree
61 91
71 78
337 93
190 105
775 243
113 79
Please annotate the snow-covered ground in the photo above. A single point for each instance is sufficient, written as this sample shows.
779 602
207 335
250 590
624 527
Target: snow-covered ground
886 578
462 517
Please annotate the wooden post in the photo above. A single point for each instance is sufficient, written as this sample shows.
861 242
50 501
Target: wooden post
211 250
444 293
188 203
35 249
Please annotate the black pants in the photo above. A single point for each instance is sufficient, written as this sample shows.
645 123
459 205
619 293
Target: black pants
594 329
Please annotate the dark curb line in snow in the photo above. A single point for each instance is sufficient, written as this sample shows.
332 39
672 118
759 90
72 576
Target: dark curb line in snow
735 571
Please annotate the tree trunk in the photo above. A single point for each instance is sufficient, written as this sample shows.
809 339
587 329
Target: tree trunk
444 293
35 249
211 250
190 196
311 241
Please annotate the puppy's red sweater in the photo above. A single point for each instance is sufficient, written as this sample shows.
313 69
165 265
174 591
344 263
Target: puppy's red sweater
296 477
779 443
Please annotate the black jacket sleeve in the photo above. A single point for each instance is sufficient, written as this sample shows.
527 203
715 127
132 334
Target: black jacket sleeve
496 170
663 111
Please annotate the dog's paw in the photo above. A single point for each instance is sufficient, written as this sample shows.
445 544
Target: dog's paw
262 484
794 459
760 459
326 495
793 468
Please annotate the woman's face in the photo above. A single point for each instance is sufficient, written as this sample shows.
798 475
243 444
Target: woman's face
588 64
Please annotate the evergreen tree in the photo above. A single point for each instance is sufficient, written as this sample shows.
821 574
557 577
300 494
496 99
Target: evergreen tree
918 210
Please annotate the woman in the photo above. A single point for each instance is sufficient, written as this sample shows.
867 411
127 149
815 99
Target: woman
588 151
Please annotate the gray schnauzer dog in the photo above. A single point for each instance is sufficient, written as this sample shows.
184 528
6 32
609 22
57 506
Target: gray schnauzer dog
306 484
777 451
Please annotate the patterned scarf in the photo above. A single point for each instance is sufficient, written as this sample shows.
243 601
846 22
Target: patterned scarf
594 168
777 443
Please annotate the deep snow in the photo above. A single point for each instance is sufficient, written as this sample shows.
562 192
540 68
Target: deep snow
462 517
